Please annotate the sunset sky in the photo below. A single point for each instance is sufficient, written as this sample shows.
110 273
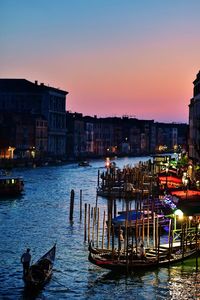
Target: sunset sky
114 57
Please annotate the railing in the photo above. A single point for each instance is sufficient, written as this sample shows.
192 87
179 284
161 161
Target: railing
190 235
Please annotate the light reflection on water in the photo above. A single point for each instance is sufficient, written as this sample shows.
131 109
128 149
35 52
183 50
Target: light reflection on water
41 216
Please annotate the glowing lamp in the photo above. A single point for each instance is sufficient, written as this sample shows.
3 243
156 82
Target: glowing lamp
179 213
107 162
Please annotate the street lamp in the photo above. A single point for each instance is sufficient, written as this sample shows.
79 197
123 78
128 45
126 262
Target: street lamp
177 213
190 219
33 152
11 151
185 182
184 177
107 164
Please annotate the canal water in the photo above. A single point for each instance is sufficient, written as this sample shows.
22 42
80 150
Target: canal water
40 217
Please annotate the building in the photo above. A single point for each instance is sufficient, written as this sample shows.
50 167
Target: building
21 96
171 137
38 125
194 121
97 137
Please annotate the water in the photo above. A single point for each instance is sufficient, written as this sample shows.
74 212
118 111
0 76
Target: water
41 216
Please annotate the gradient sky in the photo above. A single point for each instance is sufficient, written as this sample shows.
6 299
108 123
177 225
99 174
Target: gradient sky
114 57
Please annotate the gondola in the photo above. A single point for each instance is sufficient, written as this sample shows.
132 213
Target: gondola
132 262
40 272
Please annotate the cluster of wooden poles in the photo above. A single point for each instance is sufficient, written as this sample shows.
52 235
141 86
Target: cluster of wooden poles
139 231
133 236
137 176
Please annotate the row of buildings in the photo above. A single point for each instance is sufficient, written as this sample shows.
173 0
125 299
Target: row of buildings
34 122
92 136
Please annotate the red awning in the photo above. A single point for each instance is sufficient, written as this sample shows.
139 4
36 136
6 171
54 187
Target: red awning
173 179
182 194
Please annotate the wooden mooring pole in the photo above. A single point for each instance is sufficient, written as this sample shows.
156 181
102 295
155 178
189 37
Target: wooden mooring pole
93 225
108 231
85 223
98 220
104 216
98 178
71 205
81 196
197 245
88 223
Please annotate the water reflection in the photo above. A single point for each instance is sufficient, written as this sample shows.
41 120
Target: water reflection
177 282
31 295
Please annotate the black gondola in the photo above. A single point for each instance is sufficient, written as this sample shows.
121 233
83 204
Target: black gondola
121 262
40 272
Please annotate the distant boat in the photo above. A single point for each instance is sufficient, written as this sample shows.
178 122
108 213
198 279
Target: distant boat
84 163
120 192
10 185
40 272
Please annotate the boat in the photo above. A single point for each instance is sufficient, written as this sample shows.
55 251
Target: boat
10 185
40 272
134 218
84 163
115 192
120 192
122 261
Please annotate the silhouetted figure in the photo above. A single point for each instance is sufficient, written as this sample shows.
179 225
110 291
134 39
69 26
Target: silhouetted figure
25 260
121 235
142 252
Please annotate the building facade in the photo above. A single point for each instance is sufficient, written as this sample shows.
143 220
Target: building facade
194 121
40 126
97 137
171 137
21 96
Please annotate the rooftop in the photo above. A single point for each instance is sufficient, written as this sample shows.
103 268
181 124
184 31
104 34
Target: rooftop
21 85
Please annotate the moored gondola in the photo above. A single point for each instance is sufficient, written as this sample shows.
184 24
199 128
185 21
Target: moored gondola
122 262
40 272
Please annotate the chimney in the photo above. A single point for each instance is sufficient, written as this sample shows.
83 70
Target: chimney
36 82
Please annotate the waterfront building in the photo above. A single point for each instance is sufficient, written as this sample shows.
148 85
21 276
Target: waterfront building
171 136
41 136
45 128
95 137
75 136
194 121
104 143
22 133
89 135
22 96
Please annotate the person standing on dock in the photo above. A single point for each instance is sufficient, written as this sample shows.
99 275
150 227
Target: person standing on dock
142 252
121 237
25 260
